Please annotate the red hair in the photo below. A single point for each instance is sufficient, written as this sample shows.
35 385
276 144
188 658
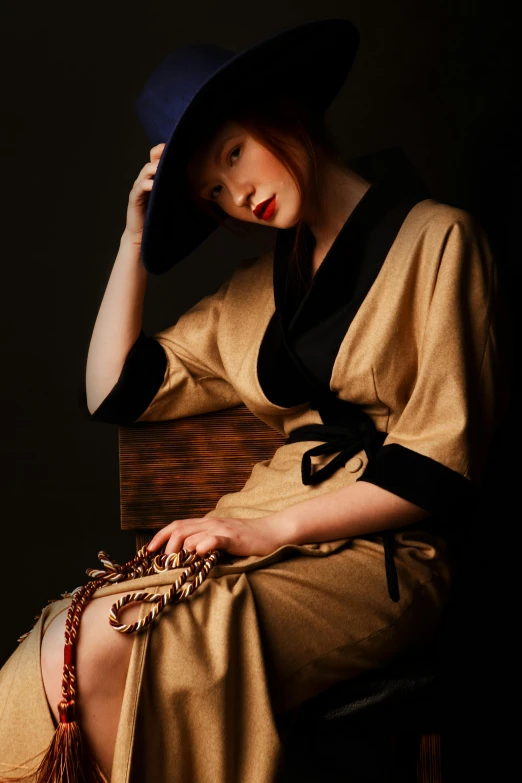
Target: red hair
293 133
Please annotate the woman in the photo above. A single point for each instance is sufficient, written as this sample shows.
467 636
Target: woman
369 333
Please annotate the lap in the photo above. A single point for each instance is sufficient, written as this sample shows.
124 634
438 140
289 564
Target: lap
322 620
263 640
310 621
316 619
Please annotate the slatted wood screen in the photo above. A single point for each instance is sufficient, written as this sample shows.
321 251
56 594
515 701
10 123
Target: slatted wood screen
180 468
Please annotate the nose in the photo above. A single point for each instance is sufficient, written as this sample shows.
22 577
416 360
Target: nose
242 194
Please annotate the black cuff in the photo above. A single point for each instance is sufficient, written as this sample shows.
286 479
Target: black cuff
140 379
419 479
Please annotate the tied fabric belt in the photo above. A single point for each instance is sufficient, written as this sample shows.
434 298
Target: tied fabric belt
347 439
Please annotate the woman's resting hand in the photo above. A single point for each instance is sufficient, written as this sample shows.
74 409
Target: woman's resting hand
243 537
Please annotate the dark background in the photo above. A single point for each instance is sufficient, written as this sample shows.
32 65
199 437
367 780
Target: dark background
439 78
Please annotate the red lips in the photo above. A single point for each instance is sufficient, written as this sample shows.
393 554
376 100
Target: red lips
265 208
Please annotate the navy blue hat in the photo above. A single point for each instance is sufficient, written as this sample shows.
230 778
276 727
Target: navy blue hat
310 61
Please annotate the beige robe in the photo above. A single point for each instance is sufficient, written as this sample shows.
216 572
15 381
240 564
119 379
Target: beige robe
262 634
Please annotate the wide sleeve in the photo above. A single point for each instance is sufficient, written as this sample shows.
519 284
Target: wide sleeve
436 447
173 373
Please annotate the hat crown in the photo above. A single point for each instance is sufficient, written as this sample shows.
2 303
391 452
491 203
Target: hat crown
168 92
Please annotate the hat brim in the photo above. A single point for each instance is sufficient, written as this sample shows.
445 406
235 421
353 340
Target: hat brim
311 60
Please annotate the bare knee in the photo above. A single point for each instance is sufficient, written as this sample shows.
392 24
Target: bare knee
102 653
102 661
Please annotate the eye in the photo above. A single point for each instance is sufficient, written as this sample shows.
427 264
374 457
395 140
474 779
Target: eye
233 151
236 149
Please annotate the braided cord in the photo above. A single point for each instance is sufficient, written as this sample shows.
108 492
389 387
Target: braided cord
144 563
179 590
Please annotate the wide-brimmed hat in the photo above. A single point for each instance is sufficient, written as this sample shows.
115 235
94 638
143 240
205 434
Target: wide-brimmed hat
308 61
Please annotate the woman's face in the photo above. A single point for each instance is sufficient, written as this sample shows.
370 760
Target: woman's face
237 173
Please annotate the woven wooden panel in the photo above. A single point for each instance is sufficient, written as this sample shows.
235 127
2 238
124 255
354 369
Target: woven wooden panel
180 468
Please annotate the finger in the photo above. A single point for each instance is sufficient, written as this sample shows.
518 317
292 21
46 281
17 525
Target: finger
174 544
148 170
187 539
163 535
207 543
178 539
156 151
159 538
191 542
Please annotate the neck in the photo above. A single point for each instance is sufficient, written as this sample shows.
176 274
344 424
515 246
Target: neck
341 189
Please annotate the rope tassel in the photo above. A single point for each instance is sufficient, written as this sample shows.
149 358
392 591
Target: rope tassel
68 758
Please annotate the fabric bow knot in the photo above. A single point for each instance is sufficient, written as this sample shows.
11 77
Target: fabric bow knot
347 440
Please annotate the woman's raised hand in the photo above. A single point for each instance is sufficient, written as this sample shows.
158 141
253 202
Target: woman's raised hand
139 196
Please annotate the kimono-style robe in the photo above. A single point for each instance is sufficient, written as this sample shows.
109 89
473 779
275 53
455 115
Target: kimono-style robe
390 358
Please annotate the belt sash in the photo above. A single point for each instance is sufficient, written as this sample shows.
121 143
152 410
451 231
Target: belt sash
348 440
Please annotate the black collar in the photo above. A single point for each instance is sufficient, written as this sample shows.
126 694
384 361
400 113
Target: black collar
366 235
310 321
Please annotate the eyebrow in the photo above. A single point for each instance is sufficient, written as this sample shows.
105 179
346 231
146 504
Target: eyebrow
219 150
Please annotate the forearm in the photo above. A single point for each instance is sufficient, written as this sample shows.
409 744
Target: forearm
354 510
118 322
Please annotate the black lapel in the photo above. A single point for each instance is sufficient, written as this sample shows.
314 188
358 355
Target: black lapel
303 337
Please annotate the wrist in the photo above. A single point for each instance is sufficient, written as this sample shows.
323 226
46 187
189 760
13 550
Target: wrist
131 240
284 527
130 255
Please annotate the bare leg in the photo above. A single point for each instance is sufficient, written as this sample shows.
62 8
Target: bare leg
102 662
